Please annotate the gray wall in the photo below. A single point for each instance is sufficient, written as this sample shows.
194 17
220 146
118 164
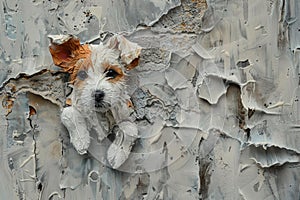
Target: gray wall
216 100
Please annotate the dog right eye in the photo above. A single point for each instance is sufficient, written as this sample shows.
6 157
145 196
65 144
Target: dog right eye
82 75
111 73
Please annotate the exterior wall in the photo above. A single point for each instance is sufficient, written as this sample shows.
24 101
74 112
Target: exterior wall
216 98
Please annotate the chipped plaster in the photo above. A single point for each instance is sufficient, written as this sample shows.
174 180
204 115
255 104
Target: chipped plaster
216 100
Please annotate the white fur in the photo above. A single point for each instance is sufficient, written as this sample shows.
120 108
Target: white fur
81 117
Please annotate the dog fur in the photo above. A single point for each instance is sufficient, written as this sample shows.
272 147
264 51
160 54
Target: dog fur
98 76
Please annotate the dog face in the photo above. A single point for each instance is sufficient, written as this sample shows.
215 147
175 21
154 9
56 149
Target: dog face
98 72
102 84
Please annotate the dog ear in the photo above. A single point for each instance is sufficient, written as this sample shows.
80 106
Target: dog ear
66 51
129 51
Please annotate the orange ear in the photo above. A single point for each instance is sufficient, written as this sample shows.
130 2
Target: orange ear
66 51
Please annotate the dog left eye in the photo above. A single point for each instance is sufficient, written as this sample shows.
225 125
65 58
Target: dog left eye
111 73
82 75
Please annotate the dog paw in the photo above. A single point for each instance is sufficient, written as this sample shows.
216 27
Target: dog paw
76 125
81 144
117 155
119 150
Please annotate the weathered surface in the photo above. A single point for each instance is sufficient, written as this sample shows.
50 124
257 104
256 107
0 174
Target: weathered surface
216 100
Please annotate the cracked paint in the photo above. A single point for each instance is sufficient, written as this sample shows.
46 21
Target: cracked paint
215 98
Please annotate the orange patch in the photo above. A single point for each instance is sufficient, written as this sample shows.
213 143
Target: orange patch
71 56
8 103
117 69
32 111
129 104
82 64
68 102
133 64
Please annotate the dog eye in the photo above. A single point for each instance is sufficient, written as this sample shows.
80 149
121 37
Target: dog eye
111 73
82 75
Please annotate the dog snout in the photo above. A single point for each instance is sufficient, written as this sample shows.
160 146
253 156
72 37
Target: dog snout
99 95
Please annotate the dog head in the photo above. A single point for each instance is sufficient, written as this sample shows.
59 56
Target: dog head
97 72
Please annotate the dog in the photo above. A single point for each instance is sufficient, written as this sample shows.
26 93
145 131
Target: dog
98 75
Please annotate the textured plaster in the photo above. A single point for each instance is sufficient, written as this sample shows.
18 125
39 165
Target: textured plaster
216 99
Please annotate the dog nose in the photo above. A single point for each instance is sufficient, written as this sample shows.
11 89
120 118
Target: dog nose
99 95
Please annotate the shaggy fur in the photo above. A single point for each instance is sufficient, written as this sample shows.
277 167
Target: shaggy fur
98 75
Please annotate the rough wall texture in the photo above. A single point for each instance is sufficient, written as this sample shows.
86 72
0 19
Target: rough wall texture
216 100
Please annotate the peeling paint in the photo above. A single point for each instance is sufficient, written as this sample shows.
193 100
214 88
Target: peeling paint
215 99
